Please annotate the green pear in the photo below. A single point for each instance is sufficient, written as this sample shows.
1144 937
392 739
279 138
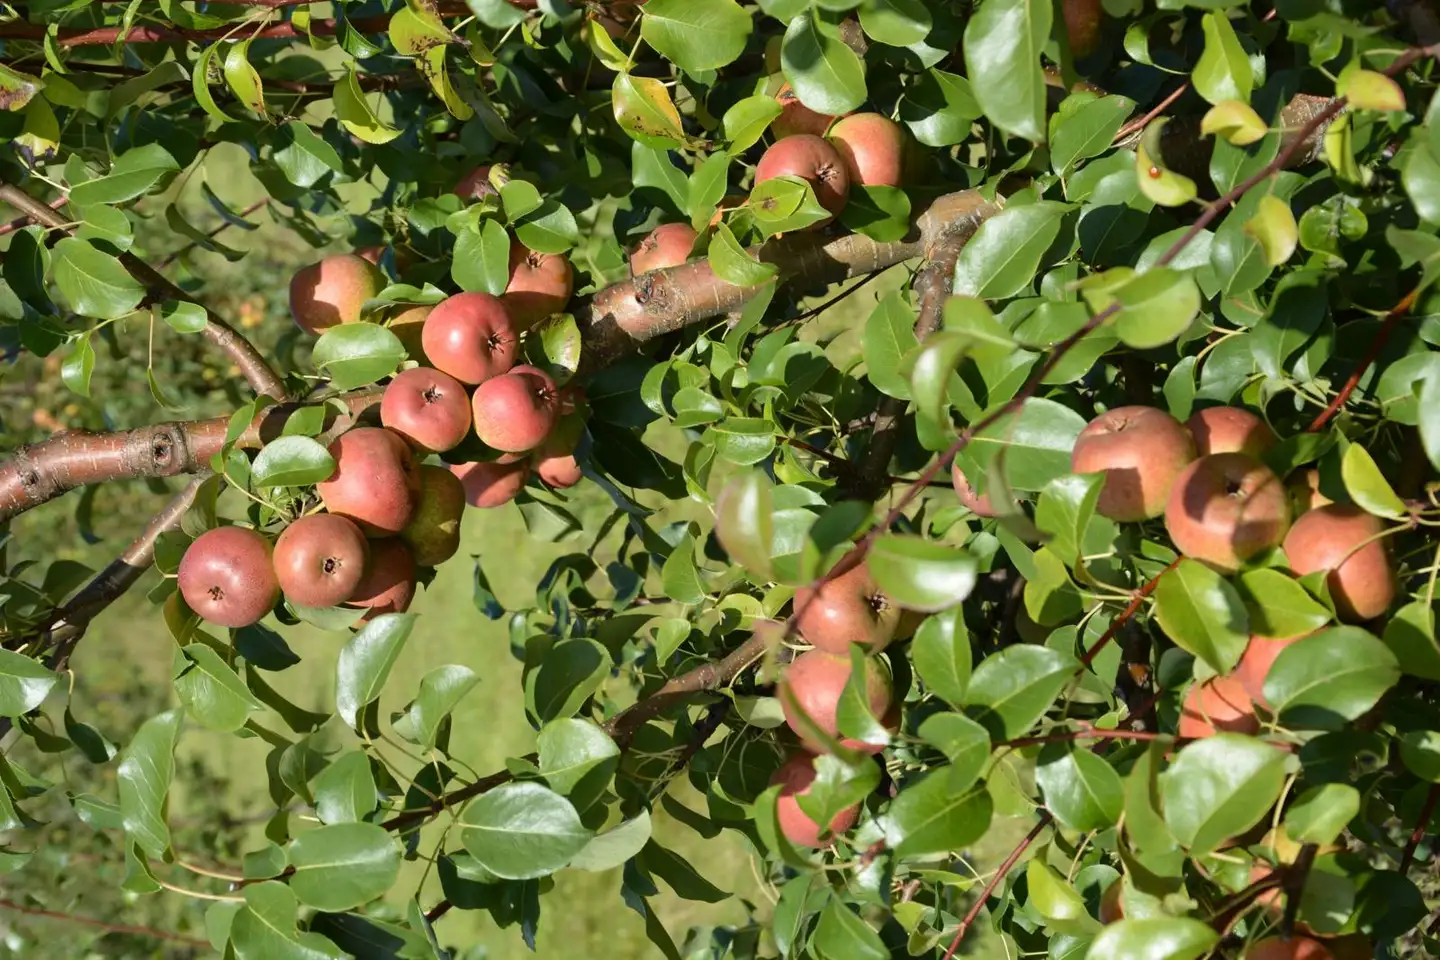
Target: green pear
434 531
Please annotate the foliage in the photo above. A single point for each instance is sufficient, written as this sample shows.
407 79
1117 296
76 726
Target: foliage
1185 205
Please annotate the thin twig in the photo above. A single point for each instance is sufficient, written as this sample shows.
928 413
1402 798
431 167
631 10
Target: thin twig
265 202
104 924
1371 355
1421 825
1135 603
1045 820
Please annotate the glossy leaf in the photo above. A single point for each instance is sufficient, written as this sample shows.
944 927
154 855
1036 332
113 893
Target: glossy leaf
147 765
942 657
921 574
1330 677
343 865
522 830
825 74
1003 43
1220 787
365 662
1202 613
1011 690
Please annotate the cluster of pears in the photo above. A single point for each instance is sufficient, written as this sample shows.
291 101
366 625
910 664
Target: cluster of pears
385 513
1224 507
848 609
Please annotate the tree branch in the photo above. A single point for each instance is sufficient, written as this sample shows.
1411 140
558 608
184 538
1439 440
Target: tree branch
104 924
1421 825
1371 355
43 471
241 351
1045 820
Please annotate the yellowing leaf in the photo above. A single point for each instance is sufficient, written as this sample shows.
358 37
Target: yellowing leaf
1165 187
1237 122
355 113
1274 226
1368 90
644 110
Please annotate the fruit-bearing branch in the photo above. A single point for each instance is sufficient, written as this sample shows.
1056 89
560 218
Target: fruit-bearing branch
614 322
242 352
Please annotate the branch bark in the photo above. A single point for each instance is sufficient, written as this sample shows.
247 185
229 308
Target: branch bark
43 471
241 352
104 924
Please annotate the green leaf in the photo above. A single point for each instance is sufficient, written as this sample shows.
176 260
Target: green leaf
355 113
615 846
1320 814
559 342
921 574
24 683
1237 122
1065 510
1036 444
345 791
1012 689
343 866
1223 71
264 928
1087 131
1218 788
1081 789
481 263
441 690
930 374
200 83
733 263
571 672
679 576
1003 43
414 30
824 72
1428 409
898 23
838 785
852 710
941 654
355 354
747 120
575 753
744 440
243 79
520 831
1158 183
549 229
879 212
1203 614
940 109
785 204
964 742
840 934
1153 938
364 663
644 110
888 336
929 817
1278 605
1003 257
1330 677
1274 227
303 157
94 284
211 690
696 35
989 341
143 777
135 172
291 462
707 187
744 522
184 316
78 366
1367 486
1156 307
1052 896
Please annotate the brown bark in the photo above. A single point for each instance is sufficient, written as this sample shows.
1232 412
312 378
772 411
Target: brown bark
43 471
241 352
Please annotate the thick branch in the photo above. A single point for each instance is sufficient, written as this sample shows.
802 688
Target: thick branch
622 316
241 352
43 471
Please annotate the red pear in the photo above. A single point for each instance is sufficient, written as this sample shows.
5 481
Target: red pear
1225 509
320 560
814 681
491 484
475 185
471 337
849 609
668 245
978 504
796 118
516 411
872 146
540 284
1218 704
1254 666
1342 539
331 292
1230 430
795 777
376 480
1296 948
226 576
389 582
1141 450
810 158
429 408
